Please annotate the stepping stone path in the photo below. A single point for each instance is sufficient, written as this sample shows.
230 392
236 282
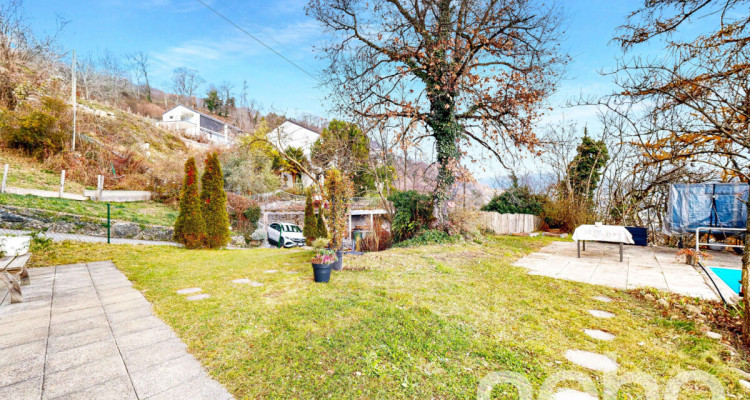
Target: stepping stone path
603 299
198 297
271 271
601 314
597 334
570 394
713 335
745 384
244 281
589 360
189 290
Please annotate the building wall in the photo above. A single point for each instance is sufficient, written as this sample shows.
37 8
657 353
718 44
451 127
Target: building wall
181 113
184 119
289 134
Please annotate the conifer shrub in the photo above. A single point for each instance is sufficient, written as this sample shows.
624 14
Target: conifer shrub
190 228
214 203
310 228
322 231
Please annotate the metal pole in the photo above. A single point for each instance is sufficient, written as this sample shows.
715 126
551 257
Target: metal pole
109 224
73 95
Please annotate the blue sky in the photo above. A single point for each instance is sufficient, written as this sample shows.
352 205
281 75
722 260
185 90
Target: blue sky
179 33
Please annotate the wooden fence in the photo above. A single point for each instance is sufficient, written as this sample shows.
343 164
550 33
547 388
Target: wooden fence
506 224
99 194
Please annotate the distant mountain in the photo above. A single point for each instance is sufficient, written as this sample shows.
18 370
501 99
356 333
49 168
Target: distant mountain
538 182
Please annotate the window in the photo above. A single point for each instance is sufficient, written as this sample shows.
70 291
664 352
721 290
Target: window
292 228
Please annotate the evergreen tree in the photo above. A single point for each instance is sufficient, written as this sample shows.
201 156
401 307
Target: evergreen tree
214 203
310 229
322 231
584 171
190 228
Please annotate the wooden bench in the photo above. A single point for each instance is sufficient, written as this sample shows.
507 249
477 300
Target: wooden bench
14 274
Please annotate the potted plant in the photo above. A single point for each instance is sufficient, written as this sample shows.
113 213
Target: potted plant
692 256
322 263
339 191
338 264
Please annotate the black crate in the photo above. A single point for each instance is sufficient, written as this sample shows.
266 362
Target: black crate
640 235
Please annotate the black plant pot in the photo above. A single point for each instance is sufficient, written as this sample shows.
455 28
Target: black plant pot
322 272
338 264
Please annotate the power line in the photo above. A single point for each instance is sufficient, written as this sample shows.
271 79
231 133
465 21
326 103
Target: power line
257 40
246 22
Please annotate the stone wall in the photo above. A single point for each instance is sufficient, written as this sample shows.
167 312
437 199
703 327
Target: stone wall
33 219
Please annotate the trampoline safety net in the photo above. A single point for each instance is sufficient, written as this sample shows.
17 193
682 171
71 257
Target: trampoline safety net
706 204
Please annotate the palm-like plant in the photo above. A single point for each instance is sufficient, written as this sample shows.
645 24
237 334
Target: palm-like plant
294 163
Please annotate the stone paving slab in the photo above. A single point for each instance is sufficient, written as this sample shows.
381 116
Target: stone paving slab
654 267
85 333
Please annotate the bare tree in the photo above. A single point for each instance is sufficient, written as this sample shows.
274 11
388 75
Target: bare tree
476 71
186 83
140 63
693 104
19 47
228 101
114 80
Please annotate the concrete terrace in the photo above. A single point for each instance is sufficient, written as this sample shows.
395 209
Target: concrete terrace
83 332
655 267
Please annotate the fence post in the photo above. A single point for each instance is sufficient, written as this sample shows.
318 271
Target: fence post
62 183
5 178
99 187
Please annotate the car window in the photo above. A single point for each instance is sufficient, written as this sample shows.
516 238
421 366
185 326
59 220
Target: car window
275 226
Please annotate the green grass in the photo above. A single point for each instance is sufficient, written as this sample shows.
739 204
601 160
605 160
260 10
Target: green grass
142 212
425 322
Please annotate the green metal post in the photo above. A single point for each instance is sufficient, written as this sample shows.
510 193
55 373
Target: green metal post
109 223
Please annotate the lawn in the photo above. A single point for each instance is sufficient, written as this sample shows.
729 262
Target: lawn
424 322
142 212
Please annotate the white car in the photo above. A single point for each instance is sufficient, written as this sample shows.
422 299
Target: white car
284 234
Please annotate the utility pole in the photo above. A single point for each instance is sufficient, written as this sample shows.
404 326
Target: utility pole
73 96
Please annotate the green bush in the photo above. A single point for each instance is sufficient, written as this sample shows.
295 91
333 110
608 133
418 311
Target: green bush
214 203
190 228
413 214
37 132
516 200
320 243
252 214
431 236
310 227
322 231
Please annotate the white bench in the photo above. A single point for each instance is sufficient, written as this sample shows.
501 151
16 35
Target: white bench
14 274
13 270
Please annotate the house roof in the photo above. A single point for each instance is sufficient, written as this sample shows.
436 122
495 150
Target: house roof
205 115
301 126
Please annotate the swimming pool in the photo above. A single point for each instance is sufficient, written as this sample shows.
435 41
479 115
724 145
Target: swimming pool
730 276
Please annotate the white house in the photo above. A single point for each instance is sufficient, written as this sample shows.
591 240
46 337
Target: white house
290 134
197 124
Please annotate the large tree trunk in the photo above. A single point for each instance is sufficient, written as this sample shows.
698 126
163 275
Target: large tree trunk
446 130
746 282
